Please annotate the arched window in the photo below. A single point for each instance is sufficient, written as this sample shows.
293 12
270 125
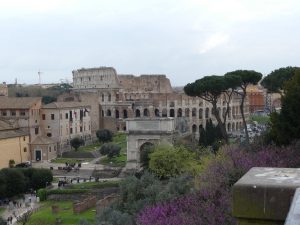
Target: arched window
194 112
137 113
172 113
125 114
179 112
109 97
156 112
228 127
102 97
146 112
187 112
117 113
201 114
164 113
206 113
194 128
233 126
108 113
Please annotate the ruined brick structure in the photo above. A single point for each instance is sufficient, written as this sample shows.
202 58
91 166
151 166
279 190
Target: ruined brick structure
114 98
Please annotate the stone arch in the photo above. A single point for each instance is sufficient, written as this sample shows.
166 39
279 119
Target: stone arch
108 112
201 113
233 126
179 112
146 112
194 128
229 127
172 113
137 113
156 112
194 112
164 113
125 114
187 112
206 113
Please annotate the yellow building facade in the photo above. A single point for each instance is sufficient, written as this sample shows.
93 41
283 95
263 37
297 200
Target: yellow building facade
13 145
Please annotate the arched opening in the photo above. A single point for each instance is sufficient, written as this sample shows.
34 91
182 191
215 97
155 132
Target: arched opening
237 126
102 113
145 151
137 113
233 126
109 97
108 113
117 113
179 112
164 113
201 114
124 128
172 113
206 113
146 112
194 128
228 127
125 114
187 112
194 112
156 112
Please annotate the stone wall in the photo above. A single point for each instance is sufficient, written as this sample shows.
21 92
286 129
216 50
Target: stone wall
145 84
84 205
101 204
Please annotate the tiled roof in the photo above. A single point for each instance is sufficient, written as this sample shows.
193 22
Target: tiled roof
18 102
7 131
60 105
42 140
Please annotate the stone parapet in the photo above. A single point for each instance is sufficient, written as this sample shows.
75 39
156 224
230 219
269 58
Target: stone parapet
263 196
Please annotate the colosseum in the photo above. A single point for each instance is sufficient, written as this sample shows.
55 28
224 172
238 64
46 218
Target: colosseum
116 97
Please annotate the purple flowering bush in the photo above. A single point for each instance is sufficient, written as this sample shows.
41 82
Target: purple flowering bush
211 204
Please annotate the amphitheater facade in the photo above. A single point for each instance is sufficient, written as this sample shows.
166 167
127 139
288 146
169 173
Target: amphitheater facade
116 97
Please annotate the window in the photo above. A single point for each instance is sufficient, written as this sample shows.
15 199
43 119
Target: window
52 116
22 113
36 130
3 113
67 116
80 129
71 130
24 138
49 135
109 97
25 149
43 117
13 113
49 148
55 148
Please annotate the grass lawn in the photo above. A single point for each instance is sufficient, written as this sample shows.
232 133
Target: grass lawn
1 211
98 185
44 216
260 119
90 148
70 160
119 161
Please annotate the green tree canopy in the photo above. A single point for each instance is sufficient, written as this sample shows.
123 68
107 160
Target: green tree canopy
210 88
243 78
167 161
274 82
104 135
76 142
285 127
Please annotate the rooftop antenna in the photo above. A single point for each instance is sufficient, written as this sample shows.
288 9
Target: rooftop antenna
40 80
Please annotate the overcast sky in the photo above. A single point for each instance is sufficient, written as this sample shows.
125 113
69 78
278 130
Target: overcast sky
184 39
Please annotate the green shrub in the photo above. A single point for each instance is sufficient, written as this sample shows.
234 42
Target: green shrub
104 135
110 150
42 194
76 142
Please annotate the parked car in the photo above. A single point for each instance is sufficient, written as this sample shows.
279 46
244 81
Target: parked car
24 164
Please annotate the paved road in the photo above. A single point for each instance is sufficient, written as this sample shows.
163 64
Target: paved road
30 203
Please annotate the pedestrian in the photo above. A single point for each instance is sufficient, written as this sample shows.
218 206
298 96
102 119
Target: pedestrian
90 178
78 180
